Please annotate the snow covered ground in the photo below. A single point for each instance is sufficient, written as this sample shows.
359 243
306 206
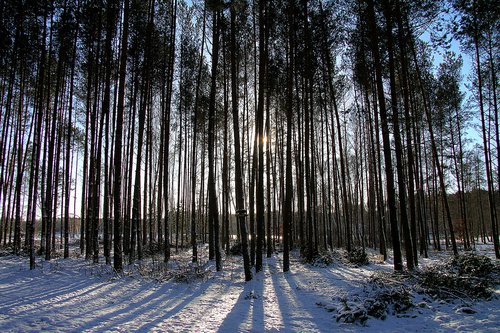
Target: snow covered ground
73 295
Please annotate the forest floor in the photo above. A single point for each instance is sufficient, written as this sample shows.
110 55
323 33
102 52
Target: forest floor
74 295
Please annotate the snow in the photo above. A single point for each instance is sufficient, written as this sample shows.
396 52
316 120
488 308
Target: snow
73 295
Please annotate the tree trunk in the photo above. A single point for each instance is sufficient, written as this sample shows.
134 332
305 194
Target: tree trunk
212 191
391 191
117 183
238 173
397 142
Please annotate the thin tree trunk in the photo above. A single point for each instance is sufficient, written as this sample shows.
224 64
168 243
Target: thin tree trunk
117 180
287 206
397 142
436 157
68 148
238 172
194 147
391 192
212 191
260 207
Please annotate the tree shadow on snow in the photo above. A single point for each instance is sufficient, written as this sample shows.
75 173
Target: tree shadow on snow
299 304
146 307
247 314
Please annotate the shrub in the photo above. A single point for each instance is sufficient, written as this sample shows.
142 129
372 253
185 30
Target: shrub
472 265
358 257
323 259
378 304
464 275
235 249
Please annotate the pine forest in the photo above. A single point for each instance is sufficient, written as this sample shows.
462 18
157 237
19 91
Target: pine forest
204 139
